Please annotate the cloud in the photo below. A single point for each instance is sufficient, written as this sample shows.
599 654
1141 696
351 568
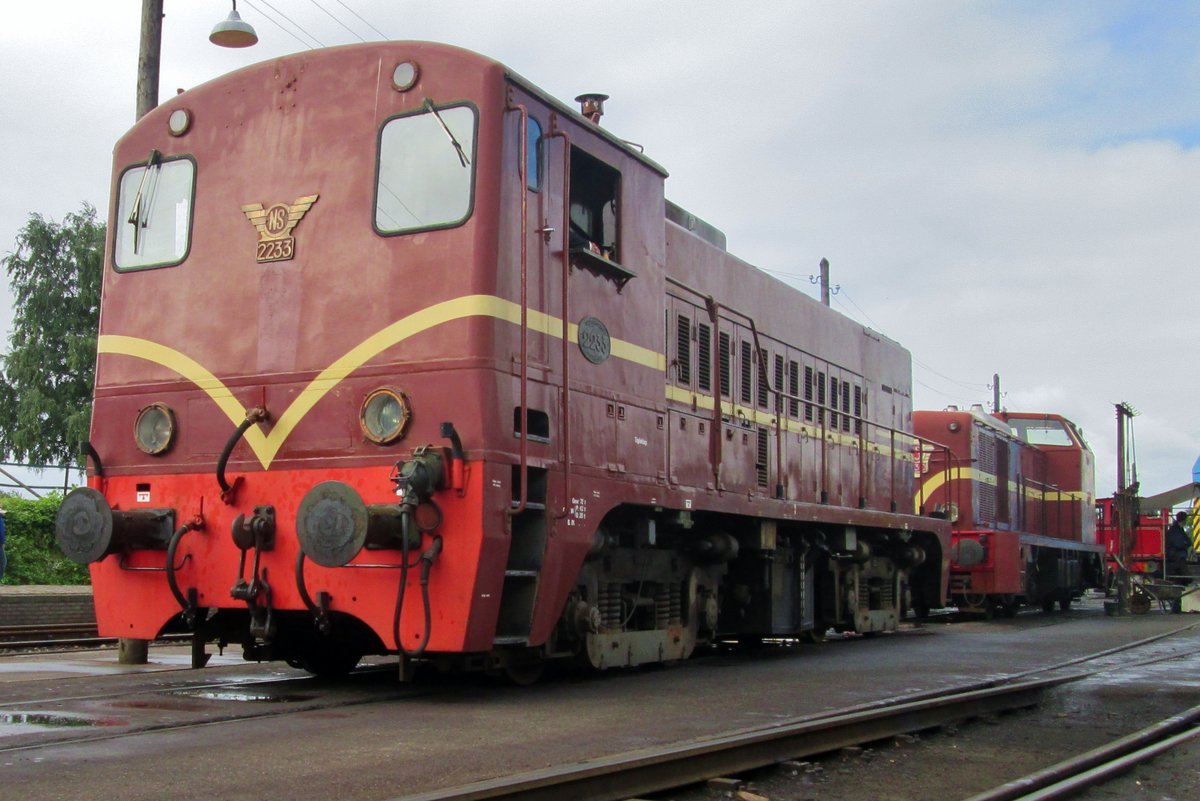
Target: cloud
1001 187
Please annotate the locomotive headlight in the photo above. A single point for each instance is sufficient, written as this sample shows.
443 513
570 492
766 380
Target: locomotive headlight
155 429
404 76
385 415
179 122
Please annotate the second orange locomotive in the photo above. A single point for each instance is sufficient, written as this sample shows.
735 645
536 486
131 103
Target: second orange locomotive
1019 490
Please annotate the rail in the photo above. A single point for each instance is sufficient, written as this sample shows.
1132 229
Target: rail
666 767
1093 767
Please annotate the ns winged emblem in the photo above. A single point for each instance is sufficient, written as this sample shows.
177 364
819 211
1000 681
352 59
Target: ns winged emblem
275 225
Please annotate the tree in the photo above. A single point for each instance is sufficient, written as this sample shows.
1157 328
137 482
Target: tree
50 369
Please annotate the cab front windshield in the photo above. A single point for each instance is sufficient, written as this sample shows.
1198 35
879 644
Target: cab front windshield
426 170
154 213
1042 432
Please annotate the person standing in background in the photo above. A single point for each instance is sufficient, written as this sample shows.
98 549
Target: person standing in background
1178 544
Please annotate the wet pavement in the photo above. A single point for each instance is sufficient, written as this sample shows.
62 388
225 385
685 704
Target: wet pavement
237 730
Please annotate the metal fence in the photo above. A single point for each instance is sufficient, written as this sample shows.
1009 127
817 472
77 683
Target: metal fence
31 481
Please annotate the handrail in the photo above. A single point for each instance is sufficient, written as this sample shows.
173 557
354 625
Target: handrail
523 165
565 402
714 307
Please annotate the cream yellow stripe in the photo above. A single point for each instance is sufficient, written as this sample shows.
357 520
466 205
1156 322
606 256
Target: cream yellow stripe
185 366
266 446
937 479
701 401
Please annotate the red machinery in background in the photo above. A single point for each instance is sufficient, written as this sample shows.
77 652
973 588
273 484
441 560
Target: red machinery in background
1149 532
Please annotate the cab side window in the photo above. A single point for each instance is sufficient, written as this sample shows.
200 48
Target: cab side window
533 166
595 189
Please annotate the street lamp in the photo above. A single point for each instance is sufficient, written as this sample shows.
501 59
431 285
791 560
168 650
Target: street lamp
232 32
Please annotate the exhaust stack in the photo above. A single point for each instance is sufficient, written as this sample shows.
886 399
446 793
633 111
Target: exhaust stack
592 106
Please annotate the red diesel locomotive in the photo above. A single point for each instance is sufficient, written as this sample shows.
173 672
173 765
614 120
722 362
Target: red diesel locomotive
399 354
1019 489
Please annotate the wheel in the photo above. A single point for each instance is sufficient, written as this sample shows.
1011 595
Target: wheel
525 675
330 662
1139 601
1048 605
1064 603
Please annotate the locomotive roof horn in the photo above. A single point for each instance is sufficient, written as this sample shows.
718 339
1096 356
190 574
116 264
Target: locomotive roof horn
591 105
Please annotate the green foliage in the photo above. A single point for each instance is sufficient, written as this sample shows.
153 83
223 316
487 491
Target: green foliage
33 555
50 369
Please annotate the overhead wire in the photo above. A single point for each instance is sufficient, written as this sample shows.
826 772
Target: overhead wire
953 396
279 25
329 14
369 25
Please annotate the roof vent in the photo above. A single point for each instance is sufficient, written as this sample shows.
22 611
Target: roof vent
592 106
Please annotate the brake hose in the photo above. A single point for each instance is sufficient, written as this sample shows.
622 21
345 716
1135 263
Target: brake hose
253 416
318 611
427 559
184 603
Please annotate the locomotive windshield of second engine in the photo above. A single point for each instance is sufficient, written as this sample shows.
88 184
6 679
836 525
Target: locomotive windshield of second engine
1044 432
426 169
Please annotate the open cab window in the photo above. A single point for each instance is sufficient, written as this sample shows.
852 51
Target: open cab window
154 213
595 200
426 170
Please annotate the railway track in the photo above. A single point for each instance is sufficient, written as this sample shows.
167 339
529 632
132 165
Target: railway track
676 765
1071 776
14 639
679 764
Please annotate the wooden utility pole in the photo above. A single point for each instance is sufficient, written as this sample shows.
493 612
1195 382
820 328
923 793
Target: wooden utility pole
148 56
132 651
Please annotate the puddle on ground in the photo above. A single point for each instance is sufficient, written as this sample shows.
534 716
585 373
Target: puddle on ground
243 694
12 723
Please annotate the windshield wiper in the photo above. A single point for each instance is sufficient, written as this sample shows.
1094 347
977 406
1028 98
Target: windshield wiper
136 218
462 156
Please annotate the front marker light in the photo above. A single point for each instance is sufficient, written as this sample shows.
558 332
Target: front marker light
154 430
385 415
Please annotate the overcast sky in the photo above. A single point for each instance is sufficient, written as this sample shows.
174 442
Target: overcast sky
1005 187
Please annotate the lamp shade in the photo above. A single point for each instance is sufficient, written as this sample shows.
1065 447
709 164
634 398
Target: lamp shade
233 32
